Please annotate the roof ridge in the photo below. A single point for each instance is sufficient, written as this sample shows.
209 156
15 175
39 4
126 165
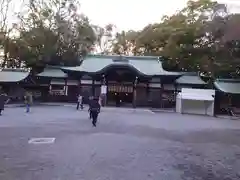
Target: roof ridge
14 70
53 66
228 80
124 57
192 74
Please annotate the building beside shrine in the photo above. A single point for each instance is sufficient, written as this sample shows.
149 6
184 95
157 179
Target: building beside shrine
132 81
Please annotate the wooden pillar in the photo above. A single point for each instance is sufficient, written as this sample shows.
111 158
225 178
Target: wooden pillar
65 87
181 105
93 87
79 86
49 93
135 92
176 88
229 100
134 97
105 99
161 93
175 94
49 87
147 92
103 95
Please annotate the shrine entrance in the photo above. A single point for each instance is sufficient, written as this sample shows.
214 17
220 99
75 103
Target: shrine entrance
120 95
120 86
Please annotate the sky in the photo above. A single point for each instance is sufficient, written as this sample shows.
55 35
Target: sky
129 14
134 14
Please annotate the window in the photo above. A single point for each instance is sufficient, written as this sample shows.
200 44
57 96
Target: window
58 90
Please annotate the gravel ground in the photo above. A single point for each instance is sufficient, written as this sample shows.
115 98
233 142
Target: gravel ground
125 145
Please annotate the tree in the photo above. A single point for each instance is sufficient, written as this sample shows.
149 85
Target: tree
224 34
180 37
189 40
105 37
54 32
125 43
6 7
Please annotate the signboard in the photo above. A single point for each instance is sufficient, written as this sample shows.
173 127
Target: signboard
116 88
57 92
103 89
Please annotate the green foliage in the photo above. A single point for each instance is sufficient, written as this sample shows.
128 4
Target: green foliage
105 38
125 43
53 32
200 37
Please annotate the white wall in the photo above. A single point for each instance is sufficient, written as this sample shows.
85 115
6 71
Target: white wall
206 92
198 107
193 106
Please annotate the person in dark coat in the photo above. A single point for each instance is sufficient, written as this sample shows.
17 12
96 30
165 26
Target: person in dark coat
89 103
94 110
3 100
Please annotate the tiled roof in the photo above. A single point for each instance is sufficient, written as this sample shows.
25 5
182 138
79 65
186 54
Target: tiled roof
13 75
231 86
145 65
51 71
190 79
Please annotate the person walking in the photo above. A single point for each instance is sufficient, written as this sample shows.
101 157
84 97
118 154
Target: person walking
94 110
28 101
89 109
80 102
3 100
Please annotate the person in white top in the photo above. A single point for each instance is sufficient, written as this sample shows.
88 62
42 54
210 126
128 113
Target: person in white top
80 102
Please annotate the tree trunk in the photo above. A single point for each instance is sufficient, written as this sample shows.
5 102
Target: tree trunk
4 60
